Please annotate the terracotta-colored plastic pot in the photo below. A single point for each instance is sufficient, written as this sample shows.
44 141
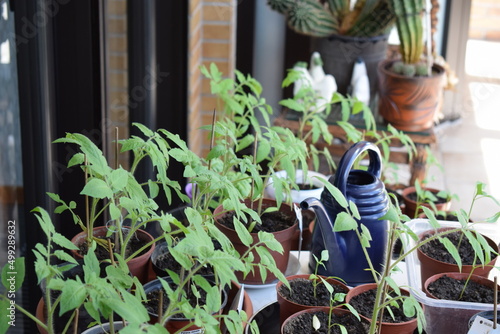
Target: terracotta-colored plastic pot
410 206
138 266
455 320
287 307
284 237
409 103
40 315
460 277
247 301
336 311
407 327
173 325
430 266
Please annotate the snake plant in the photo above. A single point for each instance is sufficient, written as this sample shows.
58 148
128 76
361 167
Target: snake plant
322 18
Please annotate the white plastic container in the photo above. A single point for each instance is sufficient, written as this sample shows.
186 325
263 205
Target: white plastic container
300 195
445 316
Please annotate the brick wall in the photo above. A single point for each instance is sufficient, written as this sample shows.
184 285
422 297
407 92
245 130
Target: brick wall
212 29
212 39
484 20
116 73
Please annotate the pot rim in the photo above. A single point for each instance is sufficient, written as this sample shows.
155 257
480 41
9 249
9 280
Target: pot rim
384 65
433 231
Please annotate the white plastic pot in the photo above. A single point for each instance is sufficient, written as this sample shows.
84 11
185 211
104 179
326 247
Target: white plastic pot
104 328
299 195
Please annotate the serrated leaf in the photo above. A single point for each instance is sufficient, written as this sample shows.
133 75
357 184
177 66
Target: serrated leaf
73 295
62 241
292 104
97 188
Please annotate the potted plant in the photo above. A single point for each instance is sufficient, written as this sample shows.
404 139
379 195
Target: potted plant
309 291
410 89
465 287
411 242
240 192
105 297
342 34
324 320
418 196
102 297
116 193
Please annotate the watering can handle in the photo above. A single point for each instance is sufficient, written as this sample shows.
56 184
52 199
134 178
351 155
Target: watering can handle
348 159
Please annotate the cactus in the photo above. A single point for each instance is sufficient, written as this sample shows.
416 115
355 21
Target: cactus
397 67
422 69
409 70
323 18
410 30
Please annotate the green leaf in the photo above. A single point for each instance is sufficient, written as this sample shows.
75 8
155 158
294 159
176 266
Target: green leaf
73 295
344 222
263 151
118 179
292 104
335 192
114 212
97 188
62 241
450 247
5 304
13 274
243 234
153 189
77 159
144 129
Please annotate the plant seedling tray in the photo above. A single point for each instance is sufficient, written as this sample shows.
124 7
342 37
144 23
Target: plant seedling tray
441 314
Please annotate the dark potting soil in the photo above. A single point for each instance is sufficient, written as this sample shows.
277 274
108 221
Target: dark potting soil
102 252
303 293
439 200
364 302
306 186
271 221
436 250
153 300
303 324
451 289
167 261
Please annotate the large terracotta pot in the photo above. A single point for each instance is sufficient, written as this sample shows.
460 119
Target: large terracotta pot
407 327
430 266
287 307
409 104
285 237
410 206
138 266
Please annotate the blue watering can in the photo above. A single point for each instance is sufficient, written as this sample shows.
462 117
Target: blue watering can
367 191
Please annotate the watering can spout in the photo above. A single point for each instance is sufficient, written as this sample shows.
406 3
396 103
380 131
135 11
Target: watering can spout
336 245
